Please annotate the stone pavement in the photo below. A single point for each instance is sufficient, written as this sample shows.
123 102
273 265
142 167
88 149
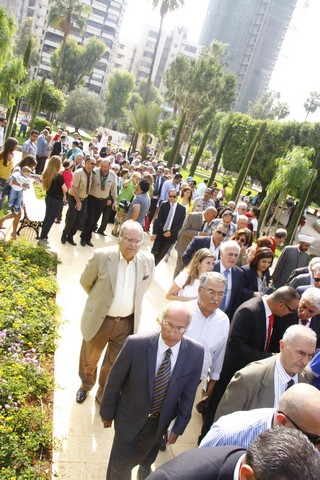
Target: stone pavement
85 444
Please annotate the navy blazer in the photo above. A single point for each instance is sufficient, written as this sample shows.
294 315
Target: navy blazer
281 325
250 282
177 222
237 282
128 392
212 463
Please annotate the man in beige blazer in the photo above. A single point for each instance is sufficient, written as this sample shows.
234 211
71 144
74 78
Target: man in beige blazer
260 384
116 279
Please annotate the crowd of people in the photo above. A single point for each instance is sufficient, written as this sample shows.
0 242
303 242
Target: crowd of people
246 334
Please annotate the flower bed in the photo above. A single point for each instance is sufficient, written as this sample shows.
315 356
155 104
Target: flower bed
29 320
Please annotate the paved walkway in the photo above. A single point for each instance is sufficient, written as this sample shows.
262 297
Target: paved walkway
85 443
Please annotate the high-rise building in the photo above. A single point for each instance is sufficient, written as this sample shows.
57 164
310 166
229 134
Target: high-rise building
170 46
254 31
104 22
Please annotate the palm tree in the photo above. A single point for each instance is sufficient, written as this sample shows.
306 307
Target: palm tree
64 15
312 103
166 6
144 119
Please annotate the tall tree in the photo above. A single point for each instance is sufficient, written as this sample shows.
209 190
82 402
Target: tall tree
52 99
78 61
65 15
84 109
7 30
166 6
144 119
269 106
37 103
24 35
119 89
312 103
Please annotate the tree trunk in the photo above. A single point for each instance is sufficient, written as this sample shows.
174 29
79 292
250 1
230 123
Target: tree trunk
264 212
247 163
219 153
175 146
37 104
200 149
63 47
146 95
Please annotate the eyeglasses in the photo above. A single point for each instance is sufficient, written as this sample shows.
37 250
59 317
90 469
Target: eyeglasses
213 293
172 196
315 439
131 241
221 233
290 309
93 164
169 325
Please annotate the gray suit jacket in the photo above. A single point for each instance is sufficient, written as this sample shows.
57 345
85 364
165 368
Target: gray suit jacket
300 280
191 226
99 280
253 387
289 259
128 393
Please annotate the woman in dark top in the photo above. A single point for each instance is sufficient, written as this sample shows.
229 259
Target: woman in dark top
53 183
256 276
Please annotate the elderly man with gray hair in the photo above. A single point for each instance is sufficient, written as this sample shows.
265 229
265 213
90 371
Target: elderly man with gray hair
210 325
260 384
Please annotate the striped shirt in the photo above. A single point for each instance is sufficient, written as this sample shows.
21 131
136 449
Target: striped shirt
238 428
281 379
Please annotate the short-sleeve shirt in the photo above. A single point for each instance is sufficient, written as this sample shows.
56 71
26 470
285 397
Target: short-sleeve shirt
143 200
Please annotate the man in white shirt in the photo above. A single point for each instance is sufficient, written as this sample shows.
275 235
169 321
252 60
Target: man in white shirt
209 325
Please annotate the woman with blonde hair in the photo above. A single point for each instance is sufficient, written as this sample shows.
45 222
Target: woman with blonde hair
185 286
124 198
185 198
53 183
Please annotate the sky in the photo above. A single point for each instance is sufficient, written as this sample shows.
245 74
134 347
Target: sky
297 70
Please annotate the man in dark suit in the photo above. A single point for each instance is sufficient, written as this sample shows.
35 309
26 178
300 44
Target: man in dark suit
195 224
292 256
298 460
131 395
260 384
229 254
308 314
213 243
167 226
302 270
158 181
249 341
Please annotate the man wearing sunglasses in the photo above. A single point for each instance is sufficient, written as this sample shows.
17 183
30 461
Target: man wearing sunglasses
299 407
213 243
250 337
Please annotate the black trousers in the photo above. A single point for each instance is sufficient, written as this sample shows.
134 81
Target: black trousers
95 207
153 207
161 246
141 450
73 216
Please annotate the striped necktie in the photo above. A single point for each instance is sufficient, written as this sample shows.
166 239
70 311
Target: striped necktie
161 383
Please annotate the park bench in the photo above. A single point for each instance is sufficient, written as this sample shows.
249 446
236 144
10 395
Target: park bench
33 212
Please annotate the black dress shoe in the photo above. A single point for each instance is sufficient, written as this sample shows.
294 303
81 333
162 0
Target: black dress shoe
89 243
81 395
71 241
83 242
101 233
143 472
163 443
63 238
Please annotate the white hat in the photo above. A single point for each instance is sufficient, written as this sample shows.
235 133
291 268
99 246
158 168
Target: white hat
306 238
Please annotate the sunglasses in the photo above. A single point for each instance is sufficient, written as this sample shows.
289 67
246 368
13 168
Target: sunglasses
221 233
316 279
314 439
172 196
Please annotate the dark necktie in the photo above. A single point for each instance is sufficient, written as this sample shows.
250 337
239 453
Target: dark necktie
223 305
289 384
161 383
